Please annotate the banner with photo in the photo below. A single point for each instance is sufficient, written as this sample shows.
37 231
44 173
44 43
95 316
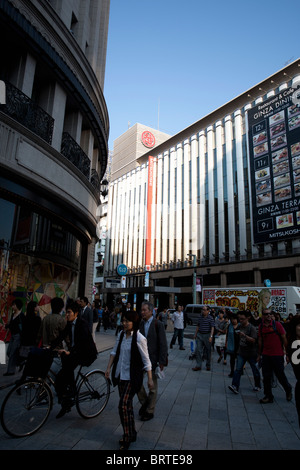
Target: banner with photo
274 166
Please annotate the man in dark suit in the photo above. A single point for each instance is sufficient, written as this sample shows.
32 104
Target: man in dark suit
81 350
155 333
86 312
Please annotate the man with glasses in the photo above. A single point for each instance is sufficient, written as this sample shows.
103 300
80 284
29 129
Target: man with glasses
272 344
204 336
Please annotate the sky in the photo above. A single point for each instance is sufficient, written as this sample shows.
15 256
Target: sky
170 63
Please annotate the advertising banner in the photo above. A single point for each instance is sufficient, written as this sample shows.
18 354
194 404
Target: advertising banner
253 299
274 166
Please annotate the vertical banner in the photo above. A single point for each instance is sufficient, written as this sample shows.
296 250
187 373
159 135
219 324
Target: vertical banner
274 164
149 212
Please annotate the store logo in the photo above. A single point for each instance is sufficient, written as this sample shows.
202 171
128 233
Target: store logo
296 354
2 92
296 94
148 139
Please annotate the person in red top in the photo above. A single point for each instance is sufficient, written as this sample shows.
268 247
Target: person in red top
272 343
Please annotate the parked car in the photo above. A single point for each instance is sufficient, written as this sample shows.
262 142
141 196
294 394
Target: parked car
193 312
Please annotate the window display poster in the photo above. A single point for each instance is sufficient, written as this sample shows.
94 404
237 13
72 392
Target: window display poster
274 165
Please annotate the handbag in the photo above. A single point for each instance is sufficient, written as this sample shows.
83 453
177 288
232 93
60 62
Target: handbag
220 341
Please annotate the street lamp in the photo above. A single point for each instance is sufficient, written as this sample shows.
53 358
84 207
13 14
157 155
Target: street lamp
194 278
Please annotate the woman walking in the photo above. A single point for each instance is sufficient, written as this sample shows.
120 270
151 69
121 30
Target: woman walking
129 358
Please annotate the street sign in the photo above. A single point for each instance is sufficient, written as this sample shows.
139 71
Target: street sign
122 269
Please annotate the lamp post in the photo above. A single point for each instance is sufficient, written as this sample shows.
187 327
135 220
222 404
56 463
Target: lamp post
194 278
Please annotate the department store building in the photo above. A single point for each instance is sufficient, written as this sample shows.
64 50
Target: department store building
53 148
219 199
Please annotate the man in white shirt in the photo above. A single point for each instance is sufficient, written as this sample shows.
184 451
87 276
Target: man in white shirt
178 320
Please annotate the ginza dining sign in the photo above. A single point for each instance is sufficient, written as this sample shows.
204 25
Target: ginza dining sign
274 166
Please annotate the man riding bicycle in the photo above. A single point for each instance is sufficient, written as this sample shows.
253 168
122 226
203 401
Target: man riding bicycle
81 350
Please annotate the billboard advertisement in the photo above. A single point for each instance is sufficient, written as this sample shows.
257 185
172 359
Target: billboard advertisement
253 299
274 167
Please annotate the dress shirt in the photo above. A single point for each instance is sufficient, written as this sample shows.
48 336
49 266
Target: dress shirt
123 366
178 320
147 325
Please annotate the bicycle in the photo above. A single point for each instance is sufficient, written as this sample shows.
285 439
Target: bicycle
27 406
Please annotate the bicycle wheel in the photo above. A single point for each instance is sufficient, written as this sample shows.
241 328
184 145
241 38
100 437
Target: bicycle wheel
26 408
92 394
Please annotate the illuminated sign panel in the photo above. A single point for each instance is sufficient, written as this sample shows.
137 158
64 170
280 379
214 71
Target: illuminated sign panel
274 165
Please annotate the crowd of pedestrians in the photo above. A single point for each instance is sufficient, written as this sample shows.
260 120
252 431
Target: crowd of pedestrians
263 340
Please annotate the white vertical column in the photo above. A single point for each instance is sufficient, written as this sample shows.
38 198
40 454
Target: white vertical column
194 202
240 180
108 242
211 191
142 234
201 209
136 217
165 209
186 199
230 185
122 203
153 212
131 217
118 223
179 254
220 188
113 226
282 245
158 210
126 217
172 205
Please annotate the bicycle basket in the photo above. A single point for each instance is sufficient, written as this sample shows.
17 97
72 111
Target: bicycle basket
38 363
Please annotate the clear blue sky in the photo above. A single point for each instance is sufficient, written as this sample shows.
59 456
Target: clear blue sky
170 62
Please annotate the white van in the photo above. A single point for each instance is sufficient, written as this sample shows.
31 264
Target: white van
193 311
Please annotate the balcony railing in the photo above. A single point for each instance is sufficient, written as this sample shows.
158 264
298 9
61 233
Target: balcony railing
74 153
21 108
95 180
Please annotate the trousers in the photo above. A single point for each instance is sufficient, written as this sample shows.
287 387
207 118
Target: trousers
274 364
202 341
126 410
150 397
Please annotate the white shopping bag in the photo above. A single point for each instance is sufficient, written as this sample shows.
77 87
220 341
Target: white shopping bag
2 353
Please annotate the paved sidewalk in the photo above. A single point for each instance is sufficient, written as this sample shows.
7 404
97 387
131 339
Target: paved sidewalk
195 411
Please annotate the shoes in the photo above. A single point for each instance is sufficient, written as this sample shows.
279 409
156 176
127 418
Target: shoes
142 409
131 439
289 395
224 362
171 346
147 416
266 400
62 412
207 368
233 389
256 389
196 368
8 374
182 349
125 445
220 359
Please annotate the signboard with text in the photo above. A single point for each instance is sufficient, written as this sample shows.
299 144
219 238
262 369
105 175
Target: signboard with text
274 165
